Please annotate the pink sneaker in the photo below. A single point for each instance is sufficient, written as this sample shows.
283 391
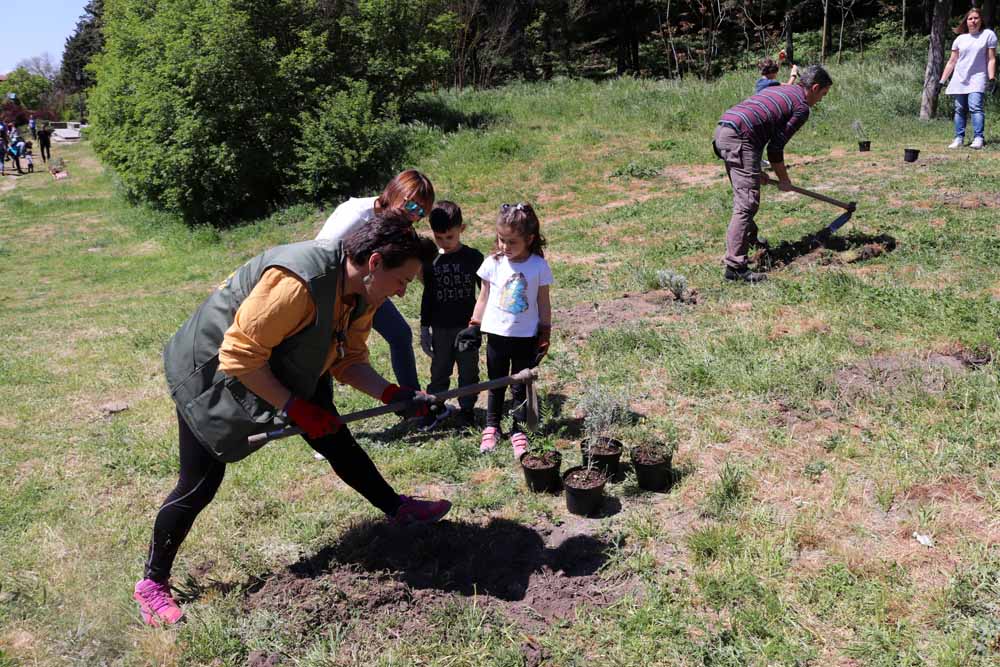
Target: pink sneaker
489 440
156 604
519 442
415 510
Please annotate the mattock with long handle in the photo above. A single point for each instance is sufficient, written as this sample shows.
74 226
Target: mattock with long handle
526 377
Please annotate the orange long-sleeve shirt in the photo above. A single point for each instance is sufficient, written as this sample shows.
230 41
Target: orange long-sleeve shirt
279 306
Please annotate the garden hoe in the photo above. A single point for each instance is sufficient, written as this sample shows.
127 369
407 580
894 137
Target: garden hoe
526 377
849 208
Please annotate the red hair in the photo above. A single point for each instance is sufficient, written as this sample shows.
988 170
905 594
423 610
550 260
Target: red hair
409 185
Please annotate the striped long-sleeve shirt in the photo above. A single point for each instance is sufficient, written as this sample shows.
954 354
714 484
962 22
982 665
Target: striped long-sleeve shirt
770 118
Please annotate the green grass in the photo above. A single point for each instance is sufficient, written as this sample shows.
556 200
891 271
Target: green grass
786 539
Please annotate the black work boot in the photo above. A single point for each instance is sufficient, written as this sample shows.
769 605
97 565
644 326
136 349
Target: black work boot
744 274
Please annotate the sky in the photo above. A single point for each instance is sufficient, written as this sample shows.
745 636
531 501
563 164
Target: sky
34 27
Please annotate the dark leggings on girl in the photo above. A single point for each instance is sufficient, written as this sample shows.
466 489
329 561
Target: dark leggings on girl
505 356
201 475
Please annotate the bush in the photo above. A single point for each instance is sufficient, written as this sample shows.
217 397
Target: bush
345 145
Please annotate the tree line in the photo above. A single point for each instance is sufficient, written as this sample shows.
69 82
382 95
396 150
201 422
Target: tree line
220 109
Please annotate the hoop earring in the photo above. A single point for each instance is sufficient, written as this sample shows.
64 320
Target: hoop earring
367 280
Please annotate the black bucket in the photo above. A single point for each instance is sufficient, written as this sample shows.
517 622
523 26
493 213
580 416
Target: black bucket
583 502
864 146
652 477
542 480
607 463
910 154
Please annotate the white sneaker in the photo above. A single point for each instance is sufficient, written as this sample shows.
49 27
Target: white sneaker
957 143
977 143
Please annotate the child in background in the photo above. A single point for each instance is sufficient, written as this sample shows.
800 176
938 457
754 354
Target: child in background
29 160
515 310
769 73
449 298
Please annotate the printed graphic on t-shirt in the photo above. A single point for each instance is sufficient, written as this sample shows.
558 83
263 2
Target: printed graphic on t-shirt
451 285
512 295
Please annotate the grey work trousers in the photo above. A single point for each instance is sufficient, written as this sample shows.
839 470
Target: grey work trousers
444 360
743 168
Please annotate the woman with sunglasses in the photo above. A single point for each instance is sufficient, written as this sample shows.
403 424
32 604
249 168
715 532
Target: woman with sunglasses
413 193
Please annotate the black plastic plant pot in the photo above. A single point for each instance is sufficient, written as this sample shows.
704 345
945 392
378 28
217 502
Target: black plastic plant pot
606 453
584 499
910 154
652 476
541 473
864 146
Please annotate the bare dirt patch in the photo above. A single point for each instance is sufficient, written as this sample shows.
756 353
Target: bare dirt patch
888 372
382 575
969 200
826 250
696 175
585 318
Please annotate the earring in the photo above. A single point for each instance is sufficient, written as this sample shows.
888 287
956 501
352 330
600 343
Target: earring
367 280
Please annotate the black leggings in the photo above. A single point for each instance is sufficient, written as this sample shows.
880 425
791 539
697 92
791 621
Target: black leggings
505 356
46 152
201 475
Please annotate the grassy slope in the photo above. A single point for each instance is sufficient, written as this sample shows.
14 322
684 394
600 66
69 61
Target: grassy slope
787 542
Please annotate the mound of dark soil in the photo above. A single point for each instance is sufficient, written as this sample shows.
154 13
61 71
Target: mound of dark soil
380 574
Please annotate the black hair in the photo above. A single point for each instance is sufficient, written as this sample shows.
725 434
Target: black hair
814 74
445 215
522 220
390 234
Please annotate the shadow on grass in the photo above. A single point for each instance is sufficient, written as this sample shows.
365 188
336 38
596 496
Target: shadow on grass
497 559
786 252
436 112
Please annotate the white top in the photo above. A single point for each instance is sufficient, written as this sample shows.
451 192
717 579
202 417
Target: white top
347 218
512 309
970 74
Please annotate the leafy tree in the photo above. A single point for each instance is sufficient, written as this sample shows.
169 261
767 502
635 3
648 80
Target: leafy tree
40 65
31 89
81 47
196 100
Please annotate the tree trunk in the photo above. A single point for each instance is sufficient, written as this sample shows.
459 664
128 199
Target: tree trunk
903 14
988 8
935 59
789 55
822 48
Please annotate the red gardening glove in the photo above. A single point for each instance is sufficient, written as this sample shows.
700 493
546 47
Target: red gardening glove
311 418
542 347
418 408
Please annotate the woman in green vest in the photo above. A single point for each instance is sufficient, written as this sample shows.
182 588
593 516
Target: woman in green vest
259 354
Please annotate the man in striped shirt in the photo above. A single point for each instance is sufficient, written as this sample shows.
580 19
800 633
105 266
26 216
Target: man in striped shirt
768 119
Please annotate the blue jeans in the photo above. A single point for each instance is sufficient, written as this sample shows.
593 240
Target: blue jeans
392 326
969 103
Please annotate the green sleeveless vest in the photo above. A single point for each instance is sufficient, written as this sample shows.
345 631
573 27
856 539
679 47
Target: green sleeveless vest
221 412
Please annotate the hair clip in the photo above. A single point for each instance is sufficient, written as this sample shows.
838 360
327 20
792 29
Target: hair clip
517 207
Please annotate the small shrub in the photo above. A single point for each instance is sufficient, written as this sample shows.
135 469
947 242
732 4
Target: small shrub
636 170
814 470
604 409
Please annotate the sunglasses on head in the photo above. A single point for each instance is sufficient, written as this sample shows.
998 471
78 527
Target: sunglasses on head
520 206
413 207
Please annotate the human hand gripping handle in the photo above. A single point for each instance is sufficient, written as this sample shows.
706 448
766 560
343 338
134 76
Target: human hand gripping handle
542 347
469 338
420 403
311 418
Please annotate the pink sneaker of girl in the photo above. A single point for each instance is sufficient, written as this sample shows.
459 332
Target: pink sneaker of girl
519 442
415 510
156 604
489 440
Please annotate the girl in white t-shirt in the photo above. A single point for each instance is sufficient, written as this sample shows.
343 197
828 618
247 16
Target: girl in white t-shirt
515 310
974 63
